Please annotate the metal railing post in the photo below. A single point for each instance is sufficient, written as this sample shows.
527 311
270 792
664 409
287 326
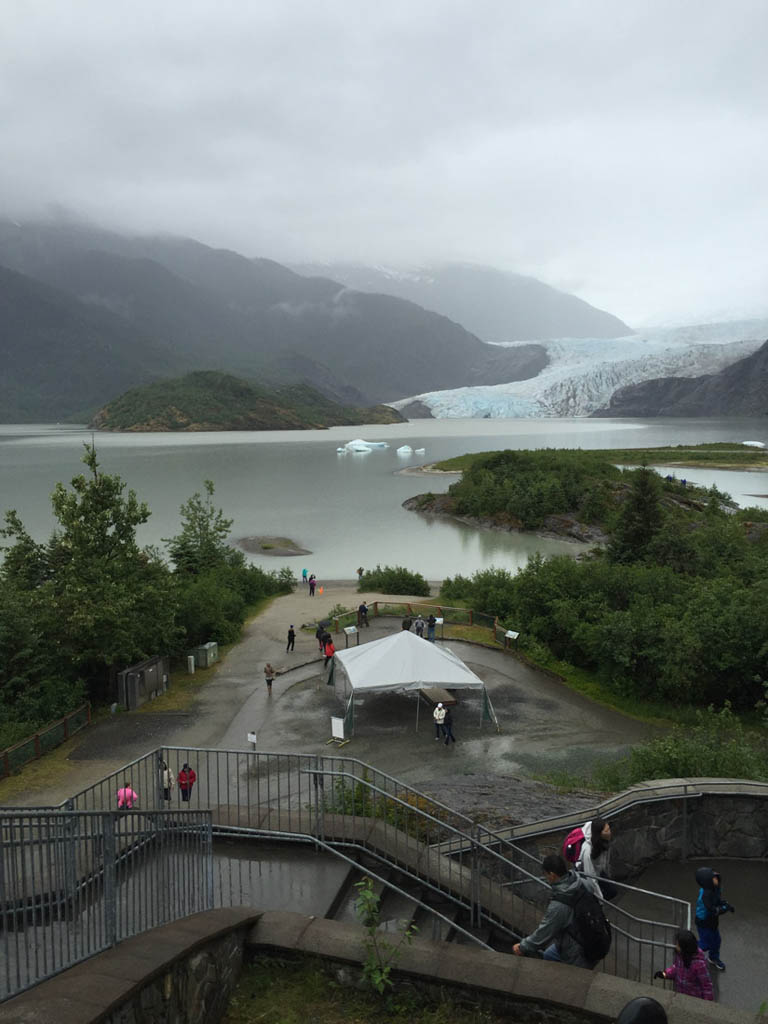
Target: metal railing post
109 866
684 837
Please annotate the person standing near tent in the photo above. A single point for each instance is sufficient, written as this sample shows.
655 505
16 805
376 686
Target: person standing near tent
330 650
439 716
186 780
418 626
448 727
431 623
319 634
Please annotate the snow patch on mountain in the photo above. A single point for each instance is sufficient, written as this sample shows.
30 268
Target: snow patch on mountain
584 373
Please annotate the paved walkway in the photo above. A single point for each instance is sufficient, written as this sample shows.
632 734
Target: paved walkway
543 724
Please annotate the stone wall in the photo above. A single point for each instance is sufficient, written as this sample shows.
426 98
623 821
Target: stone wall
706 825
184 973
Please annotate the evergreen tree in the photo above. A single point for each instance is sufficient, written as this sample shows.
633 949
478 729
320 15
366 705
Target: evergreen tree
640 518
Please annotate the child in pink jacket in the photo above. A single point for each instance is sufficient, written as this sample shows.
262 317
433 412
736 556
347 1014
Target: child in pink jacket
689 973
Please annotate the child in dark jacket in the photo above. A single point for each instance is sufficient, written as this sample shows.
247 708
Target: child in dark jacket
709 907
689 972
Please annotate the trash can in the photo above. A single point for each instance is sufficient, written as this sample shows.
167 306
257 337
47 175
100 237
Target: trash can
206 654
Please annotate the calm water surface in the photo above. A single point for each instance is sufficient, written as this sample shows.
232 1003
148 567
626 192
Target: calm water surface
346 509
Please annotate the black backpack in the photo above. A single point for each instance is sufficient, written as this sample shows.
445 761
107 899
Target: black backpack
589 927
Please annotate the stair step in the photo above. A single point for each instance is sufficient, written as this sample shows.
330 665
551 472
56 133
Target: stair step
345 905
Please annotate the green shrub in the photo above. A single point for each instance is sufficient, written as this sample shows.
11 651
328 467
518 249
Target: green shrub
716 745
394 580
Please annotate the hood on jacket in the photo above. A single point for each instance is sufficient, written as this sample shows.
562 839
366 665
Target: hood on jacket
586 828
705 877
569 884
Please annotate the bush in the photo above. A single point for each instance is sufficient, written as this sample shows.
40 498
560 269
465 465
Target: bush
394 580
716 745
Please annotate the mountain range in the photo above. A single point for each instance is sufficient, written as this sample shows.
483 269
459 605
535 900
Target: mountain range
496 305
86 314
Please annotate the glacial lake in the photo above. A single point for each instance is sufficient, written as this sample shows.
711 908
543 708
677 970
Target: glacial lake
346 509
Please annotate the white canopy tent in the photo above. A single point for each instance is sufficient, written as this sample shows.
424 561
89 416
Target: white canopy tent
401 663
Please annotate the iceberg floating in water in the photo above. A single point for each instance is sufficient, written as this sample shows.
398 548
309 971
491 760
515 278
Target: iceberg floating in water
405 450
754 444
359 445
419 451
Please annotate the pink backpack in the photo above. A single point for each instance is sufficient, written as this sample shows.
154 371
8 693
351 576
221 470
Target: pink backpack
572 845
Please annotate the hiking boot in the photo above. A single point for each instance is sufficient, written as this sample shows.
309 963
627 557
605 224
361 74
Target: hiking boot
716 962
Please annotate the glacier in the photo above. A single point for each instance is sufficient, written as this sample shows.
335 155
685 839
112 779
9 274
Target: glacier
583 373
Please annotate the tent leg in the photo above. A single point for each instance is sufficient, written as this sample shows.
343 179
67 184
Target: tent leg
418 701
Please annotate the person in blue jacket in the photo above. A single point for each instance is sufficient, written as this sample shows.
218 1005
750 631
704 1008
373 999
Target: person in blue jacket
710 906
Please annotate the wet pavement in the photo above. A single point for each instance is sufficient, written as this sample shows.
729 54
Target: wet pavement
744 983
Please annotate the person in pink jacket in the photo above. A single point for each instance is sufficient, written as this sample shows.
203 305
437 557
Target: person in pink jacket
126 797
689 973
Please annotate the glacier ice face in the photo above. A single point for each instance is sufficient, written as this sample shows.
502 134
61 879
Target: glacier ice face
583 373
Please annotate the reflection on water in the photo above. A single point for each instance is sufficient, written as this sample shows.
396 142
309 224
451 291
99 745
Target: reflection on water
345 509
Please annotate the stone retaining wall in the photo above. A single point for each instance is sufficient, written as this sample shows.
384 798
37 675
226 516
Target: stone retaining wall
184 973
709 825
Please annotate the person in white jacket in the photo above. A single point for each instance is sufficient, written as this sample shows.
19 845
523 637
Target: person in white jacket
595 858
439 716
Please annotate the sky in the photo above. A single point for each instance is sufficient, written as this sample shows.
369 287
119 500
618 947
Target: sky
617 150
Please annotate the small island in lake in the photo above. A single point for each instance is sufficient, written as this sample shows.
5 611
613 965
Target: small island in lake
281 547
579 495
210 400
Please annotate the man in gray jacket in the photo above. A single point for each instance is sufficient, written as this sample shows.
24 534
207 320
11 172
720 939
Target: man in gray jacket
553 935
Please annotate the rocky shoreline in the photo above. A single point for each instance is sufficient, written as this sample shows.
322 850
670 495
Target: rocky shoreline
557 527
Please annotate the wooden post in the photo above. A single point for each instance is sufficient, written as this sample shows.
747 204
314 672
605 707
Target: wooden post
37 744
65 723
471 617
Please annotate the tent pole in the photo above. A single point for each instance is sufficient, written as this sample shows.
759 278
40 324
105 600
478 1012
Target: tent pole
418 701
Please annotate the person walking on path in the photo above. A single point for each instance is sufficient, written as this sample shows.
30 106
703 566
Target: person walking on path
312 585
555 934
595 858
431 623
709 907
291 639
186 780
166 781
126 797
362 615
689 973
448 727
360 572
418 626
439 716
269 676
329 651
319 634
304 576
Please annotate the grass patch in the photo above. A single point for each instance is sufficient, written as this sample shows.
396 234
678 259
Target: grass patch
476 634
273 991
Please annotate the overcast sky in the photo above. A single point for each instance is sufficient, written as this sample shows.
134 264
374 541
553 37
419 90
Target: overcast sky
616 149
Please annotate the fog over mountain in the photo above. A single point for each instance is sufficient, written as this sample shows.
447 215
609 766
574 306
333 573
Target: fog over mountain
615 151
494 305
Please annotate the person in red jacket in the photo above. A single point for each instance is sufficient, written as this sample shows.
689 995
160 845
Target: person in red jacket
187 778
330 650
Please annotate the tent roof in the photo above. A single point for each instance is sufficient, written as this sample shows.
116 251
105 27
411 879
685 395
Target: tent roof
404 661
